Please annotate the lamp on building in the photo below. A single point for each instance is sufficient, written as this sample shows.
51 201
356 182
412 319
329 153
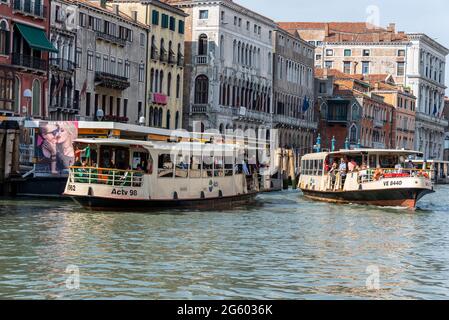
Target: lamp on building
347 146
28 94
100 114
333 141
142 120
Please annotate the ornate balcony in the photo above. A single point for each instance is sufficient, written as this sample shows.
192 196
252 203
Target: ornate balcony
111 81
110 38
201 60
29 62
30 8
200 108
159 98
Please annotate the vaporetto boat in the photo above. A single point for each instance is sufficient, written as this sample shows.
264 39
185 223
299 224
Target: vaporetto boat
117 173
365 176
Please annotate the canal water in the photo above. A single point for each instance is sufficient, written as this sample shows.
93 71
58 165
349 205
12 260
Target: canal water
285 247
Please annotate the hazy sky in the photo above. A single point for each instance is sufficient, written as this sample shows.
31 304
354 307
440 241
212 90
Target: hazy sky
430 16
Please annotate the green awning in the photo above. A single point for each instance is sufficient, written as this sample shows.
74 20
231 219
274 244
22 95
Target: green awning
35 38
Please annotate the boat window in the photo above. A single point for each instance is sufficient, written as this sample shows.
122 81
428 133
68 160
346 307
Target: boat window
182 166
228 166
218 166
388 162
140 161
372 161
320 168
122 159
208 162
195 167
165 166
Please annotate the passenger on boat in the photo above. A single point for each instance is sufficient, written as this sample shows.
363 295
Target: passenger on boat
343 169
378 173
332 175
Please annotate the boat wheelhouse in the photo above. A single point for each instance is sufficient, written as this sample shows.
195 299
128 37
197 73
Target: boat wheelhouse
364 176
132 173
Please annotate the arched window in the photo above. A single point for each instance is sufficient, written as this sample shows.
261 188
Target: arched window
178 86
4 38
152 80
202 45
222 47
169 84
177 120
36 98
201 89
161 81
353 134
156 81
160 117
167 120
221 128
151 117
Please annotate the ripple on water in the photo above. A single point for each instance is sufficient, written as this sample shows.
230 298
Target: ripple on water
285 247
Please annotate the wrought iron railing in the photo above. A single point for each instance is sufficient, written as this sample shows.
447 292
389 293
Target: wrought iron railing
29 61
106 176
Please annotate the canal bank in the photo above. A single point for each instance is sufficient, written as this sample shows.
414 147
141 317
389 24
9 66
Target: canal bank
284 247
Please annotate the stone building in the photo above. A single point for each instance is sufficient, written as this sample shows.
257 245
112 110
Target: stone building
24 48
293 91
446 140
110 56
229 66
63 25
413 60
165 60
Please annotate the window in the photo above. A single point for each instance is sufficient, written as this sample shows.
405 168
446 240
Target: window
78 54
347 67
90 58
401 53
112 66
6 90
204 14
142 39
180 26
222 16
318 57
270 34
178 86
98 62
36 98
319 43
164 21
167 120
328 64
365 67
125 107
348 52
201 90
155 17
169 84
235 20
172 23
82 18
366 52
119 104
248 24
401 69
88 103
141 72
119 67
329 52
202 45
126 74
240 22
106 64
4 38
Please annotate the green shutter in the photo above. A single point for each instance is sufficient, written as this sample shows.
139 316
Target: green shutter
181 27
172 23
155 19
164 23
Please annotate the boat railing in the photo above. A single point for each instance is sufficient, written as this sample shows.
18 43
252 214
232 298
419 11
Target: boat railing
106 176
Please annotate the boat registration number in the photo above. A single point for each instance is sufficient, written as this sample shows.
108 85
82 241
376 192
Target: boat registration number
392 183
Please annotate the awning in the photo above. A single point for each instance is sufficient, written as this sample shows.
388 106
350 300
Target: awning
35 38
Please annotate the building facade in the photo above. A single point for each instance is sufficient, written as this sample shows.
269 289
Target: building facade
24 48
414 60
293 91
110 56
63 25
165 60
229 66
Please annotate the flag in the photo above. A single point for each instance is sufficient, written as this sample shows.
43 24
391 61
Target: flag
305 104
84 89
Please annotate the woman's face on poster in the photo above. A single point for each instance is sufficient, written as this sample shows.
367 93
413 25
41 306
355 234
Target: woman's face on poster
50 133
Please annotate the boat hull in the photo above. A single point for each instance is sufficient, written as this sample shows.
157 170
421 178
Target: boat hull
385 198
99 203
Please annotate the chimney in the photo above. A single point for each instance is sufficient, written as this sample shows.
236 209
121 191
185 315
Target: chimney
326 29
134 15
116 9
391 27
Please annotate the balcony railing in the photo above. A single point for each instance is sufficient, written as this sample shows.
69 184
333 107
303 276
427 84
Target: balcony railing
110 38
251 115
200 108
29 61
63 64
283 119
111 81
163 56
337 118
171 58
154 54
201 60
32 8
180 61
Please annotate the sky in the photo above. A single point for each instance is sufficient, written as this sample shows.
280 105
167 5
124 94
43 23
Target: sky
430 16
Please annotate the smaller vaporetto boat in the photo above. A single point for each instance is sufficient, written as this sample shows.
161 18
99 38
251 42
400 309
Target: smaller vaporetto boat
365 176
117 173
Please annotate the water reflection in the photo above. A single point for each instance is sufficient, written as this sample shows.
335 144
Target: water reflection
287 247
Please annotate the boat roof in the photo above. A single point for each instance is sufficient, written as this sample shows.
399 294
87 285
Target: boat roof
156 145
398 152
430 161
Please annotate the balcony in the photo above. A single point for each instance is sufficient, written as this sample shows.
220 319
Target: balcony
112 81
154 54
29 62
337 118
110 38
30 8
63 64
171 58
159 98
201 59
280 119
251 115
164 56
200 108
